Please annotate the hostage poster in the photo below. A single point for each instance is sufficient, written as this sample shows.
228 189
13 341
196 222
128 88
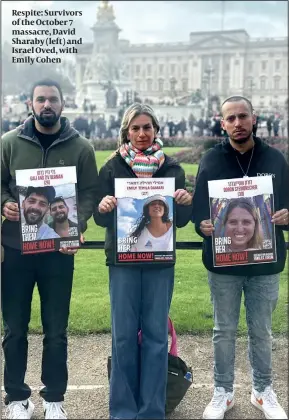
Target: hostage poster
145 222
48 209
241 212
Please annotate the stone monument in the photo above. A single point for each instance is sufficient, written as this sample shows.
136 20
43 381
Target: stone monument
105 77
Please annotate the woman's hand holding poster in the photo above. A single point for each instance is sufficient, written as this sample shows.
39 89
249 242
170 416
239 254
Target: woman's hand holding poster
241 213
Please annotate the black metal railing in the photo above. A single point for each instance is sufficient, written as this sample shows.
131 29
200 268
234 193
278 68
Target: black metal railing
179 245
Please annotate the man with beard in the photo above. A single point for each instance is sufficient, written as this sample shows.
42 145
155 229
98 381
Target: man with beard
242 155
35 206
59 212
45 140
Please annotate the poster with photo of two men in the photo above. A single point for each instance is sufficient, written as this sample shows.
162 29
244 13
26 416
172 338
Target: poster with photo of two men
48 209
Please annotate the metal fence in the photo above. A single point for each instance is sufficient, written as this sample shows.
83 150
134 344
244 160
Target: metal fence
179 245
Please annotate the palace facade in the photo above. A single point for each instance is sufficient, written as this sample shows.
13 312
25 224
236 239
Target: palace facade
221 63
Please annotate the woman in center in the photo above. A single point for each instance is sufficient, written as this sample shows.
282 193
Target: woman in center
154 231
140 294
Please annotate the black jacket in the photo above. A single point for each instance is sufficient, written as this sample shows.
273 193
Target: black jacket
220 163
118 168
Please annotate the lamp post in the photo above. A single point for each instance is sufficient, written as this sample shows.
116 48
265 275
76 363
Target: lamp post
208 73
251 85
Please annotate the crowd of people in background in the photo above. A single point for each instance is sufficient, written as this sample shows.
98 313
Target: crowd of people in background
95 125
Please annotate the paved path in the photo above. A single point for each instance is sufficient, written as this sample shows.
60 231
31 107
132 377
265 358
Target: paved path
87 395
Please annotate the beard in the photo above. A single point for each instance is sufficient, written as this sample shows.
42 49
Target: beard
32 216
46 120
60 218
242 140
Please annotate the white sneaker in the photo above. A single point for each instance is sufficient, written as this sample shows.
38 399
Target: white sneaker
20 409
221 402
267 402
54 410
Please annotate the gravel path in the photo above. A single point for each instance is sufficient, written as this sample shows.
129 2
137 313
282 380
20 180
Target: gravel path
87 395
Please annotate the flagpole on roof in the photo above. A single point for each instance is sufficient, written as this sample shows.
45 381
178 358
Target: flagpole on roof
222 15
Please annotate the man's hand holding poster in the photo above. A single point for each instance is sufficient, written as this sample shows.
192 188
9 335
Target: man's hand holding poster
48 209
145 220
241 213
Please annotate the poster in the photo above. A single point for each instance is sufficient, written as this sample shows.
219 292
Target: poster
241 212
145 220
48 209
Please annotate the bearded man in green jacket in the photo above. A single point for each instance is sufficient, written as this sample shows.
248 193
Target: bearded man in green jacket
45 140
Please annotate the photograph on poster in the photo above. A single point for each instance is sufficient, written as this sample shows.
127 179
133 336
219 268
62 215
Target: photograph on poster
241 212
145 220
48 213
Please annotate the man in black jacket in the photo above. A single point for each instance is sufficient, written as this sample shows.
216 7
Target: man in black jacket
242 155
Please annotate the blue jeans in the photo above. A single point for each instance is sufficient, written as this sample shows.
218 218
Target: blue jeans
140 299
261 295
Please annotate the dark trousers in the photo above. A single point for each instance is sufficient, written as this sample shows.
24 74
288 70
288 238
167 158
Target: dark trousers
53 273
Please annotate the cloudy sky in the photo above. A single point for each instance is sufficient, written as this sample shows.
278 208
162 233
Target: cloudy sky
168 21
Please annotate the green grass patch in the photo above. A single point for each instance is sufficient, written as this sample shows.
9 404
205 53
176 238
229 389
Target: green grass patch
191 308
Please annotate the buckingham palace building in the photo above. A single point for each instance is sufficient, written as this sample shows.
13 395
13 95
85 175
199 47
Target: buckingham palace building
220 63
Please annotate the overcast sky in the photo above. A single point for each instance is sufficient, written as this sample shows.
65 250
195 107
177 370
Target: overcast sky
168 21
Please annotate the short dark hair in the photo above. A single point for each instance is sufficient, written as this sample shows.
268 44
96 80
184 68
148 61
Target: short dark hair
237 98
46 82
48 192
56 199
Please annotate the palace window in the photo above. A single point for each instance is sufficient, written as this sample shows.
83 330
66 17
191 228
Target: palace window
276 83
185 68
161 85
173 83
161 68
277 65
262 83
173 68
149 69
137 69
264 65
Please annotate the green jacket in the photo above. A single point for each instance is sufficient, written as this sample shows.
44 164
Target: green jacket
22 150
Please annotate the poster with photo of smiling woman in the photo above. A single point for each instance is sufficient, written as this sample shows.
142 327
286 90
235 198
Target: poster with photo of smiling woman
145 220
241 213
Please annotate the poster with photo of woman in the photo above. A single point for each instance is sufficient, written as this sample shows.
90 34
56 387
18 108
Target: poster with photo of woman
145 220
241 212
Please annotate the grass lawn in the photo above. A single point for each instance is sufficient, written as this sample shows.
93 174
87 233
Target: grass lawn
191 308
